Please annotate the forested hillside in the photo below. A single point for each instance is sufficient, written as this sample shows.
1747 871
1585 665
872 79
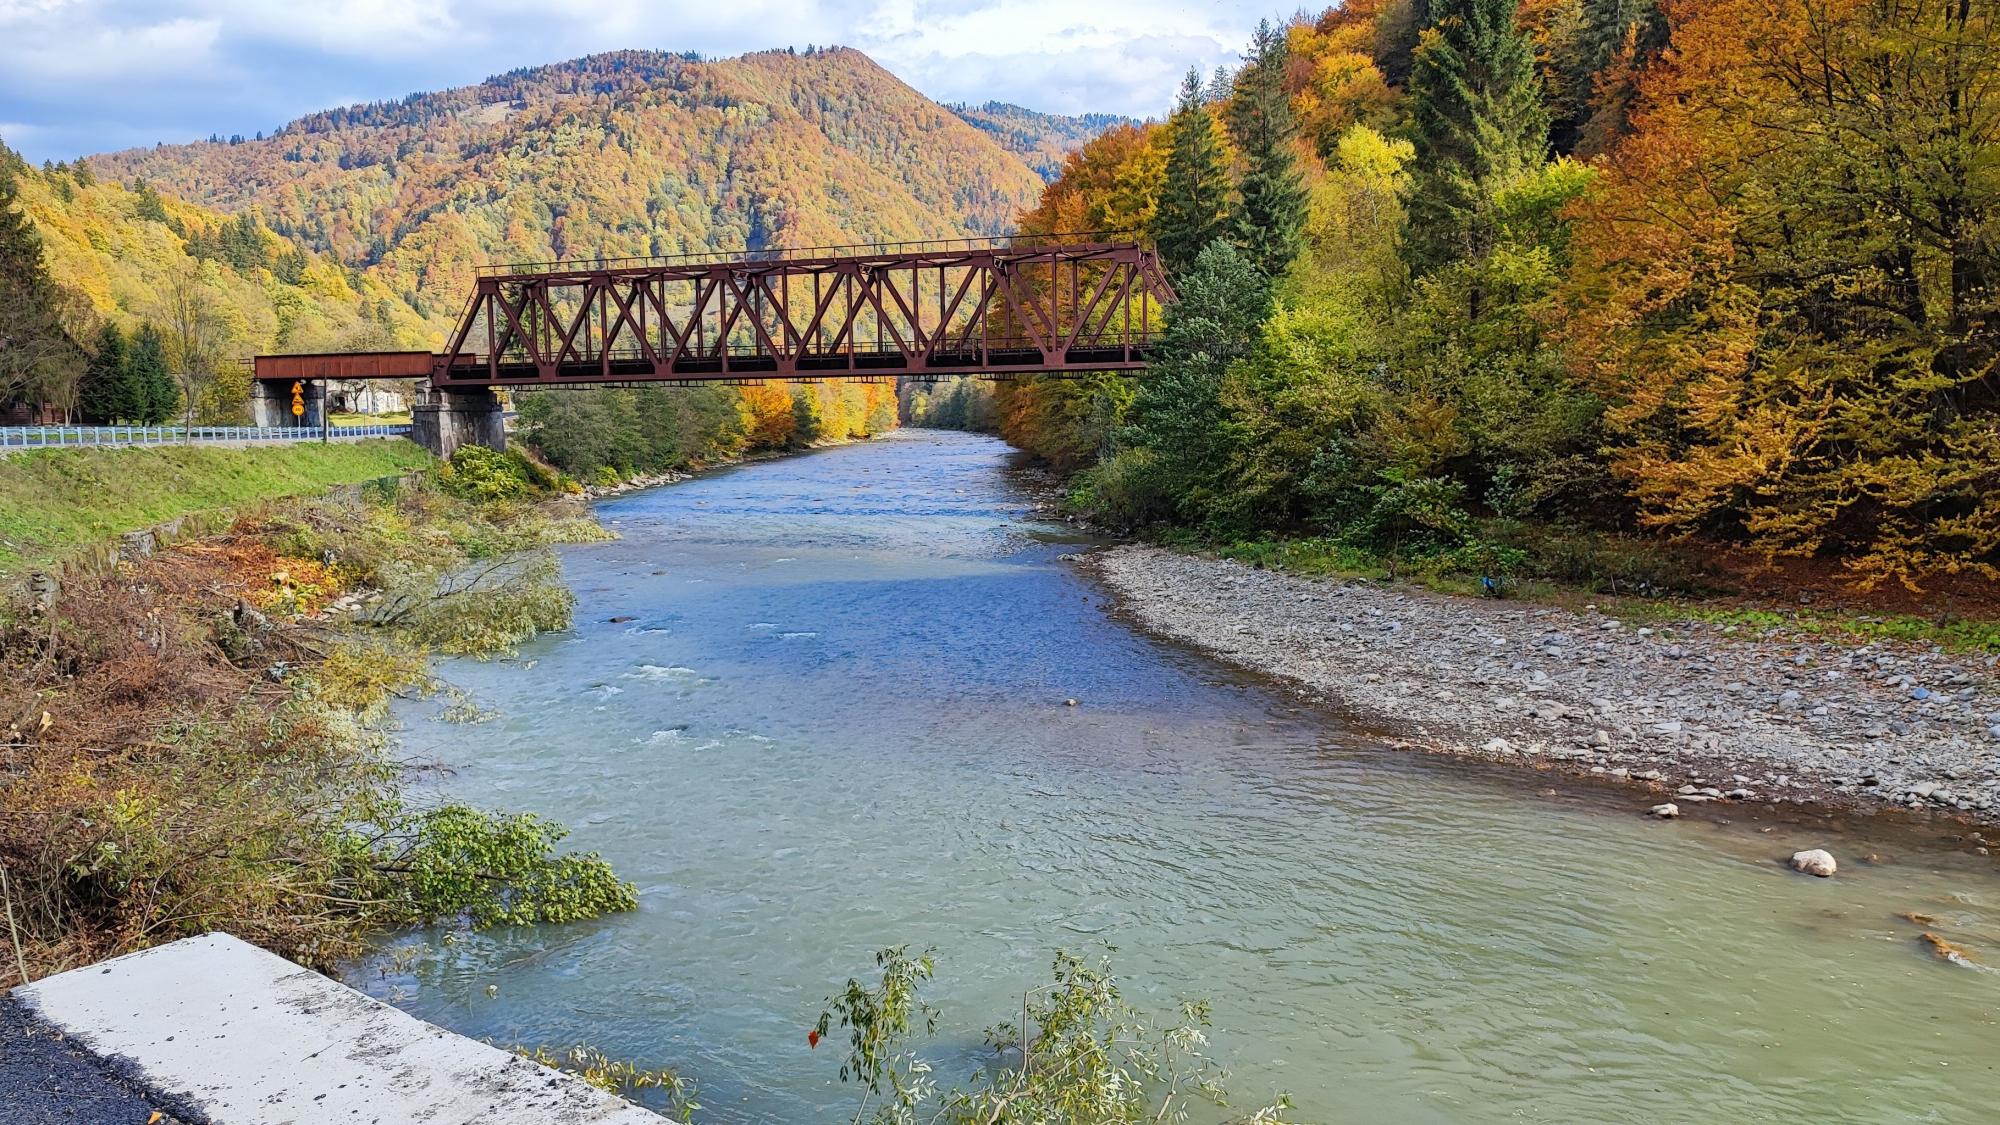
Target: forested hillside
200 289
1041 139
1499 288
630 153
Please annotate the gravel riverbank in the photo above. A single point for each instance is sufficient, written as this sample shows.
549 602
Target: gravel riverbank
1695 712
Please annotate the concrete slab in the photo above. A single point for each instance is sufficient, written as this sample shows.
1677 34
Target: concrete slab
248 1038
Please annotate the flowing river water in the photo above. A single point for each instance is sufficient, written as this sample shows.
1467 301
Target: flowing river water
817 706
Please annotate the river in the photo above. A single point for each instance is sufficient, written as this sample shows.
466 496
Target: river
817 706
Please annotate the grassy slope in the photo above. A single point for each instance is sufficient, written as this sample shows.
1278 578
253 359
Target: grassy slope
56 500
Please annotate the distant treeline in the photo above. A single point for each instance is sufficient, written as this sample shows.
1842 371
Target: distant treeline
602 436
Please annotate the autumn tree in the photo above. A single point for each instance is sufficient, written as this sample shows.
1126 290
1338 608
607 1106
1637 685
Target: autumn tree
1331 64
1193 208
1271 208
1591 53
1786 284
1478 124
194 336
1111 183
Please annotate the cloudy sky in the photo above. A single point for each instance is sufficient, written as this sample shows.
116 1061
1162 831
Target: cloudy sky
82 76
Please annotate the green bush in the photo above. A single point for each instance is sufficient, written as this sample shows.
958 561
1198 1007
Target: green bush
1123 491
1607 563
486 475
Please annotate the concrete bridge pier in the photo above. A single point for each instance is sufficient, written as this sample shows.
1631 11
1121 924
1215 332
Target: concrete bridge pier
271 403
443 420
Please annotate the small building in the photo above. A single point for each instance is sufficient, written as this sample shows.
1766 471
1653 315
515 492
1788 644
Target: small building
362 397
32 414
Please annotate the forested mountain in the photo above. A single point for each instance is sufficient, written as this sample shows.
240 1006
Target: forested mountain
1041 139
628 153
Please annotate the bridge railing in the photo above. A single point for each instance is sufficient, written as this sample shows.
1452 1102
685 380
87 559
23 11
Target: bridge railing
55 437
794 253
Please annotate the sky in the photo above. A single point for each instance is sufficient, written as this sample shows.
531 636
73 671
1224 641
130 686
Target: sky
85 76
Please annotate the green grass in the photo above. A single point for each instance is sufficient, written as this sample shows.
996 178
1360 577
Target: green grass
55 501
1953 634
1323 558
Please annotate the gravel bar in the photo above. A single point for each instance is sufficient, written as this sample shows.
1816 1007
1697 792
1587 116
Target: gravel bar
1698 711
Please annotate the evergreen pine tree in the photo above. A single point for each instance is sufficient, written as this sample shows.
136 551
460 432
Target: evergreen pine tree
1194 201
1270 219
1178 414
1478 123
38 360
155 397
149 205
105 394
290 267
1221 85
1593 116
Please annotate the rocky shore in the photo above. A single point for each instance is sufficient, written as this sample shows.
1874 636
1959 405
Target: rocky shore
1694 712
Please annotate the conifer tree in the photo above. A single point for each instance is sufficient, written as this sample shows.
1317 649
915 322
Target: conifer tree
1194 201
1178 415
149 204
155 397
1270 218
105 395
1478 123
38 360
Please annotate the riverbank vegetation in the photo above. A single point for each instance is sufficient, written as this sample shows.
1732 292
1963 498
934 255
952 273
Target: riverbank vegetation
1076 1051
199 740
604 436
1508 290
59 500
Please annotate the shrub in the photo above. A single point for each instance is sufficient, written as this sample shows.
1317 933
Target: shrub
1076 1051
481 474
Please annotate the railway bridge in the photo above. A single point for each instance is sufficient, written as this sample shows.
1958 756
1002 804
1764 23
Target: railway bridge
1048 305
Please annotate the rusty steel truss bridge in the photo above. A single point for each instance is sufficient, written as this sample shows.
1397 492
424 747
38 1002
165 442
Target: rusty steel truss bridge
1052 304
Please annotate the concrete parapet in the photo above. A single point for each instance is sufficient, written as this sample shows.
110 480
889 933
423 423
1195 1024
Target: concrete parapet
218 1027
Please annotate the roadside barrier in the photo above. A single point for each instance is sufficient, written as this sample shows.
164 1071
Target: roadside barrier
51 437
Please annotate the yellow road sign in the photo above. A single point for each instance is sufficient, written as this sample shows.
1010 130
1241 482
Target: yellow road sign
298 400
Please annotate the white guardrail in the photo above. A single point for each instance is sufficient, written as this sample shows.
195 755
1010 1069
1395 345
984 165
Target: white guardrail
53 437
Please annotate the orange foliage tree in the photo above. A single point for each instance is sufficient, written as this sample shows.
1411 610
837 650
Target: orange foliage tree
1784 283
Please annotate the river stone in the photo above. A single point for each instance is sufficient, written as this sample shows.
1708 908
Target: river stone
1815 862
1667 811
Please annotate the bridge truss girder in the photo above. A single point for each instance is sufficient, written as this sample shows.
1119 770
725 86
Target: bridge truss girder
925 310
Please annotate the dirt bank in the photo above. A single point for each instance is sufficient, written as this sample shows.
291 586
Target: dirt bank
1695 712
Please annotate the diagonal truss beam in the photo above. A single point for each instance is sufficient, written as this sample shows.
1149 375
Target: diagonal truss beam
994 309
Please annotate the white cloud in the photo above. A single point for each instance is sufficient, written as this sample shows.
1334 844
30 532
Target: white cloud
87 75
